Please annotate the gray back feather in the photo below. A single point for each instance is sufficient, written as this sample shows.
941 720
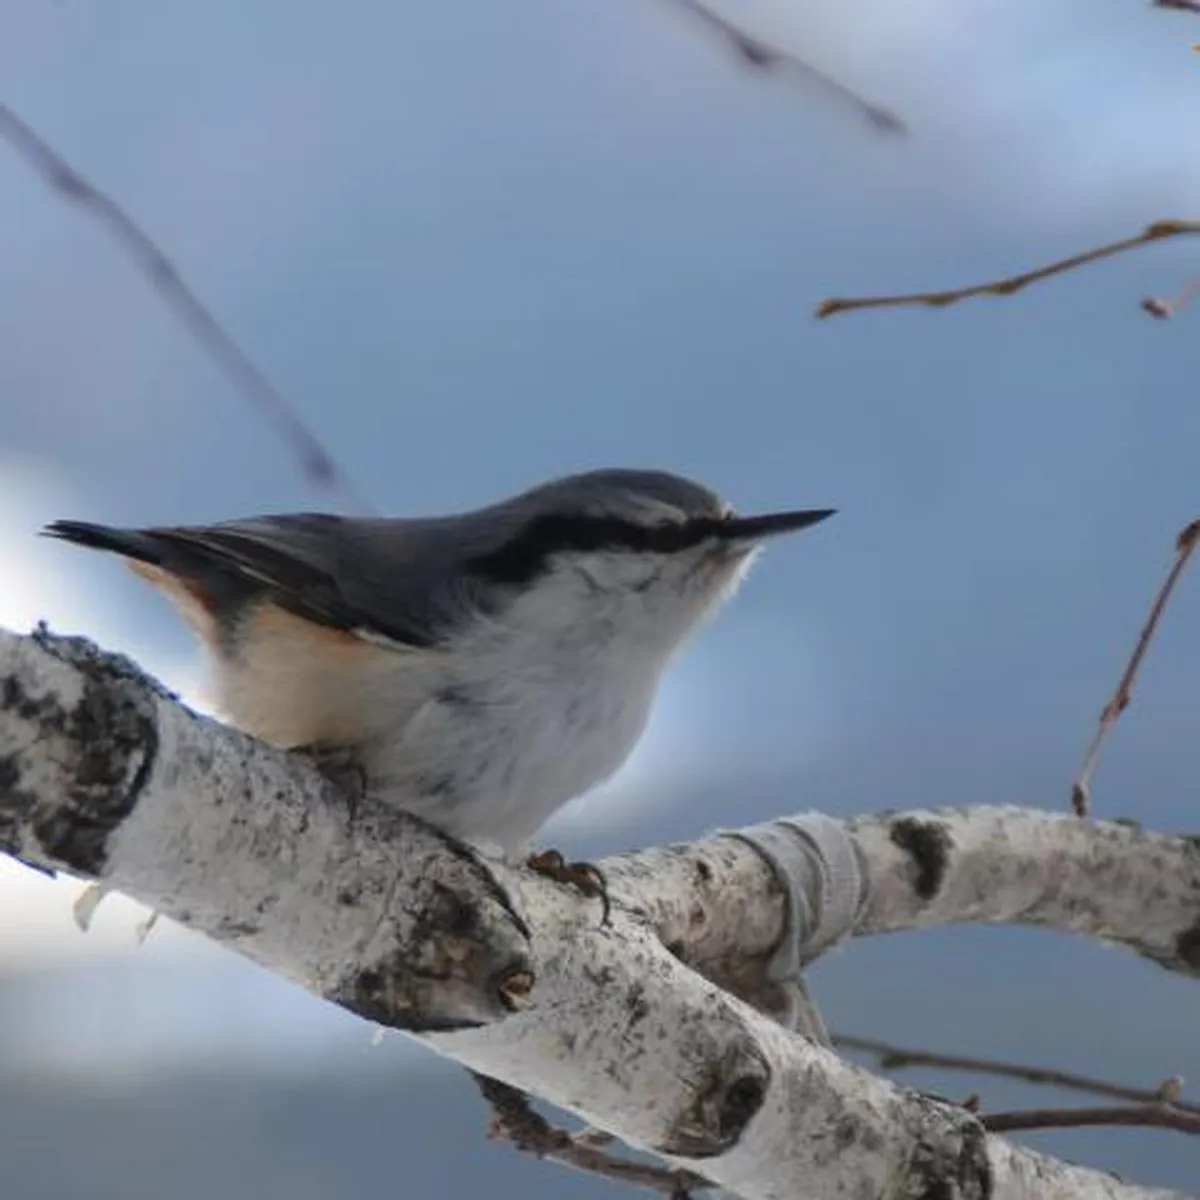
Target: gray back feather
418 580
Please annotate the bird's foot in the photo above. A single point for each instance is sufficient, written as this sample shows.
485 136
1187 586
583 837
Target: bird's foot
585 877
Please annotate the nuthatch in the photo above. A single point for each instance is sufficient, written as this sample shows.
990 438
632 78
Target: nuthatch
479 670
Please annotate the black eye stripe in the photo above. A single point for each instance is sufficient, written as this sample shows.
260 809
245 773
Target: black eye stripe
525 555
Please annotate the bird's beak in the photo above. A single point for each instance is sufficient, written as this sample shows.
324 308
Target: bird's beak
756 529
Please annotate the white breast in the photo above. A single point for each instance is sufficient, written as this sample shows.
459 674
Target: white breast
527 715
486 738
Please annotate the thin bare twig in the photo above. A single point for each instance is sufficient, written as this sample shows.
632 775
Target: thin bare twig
897 1058
514 1118
1191 6
1159 1116
199 321
764 56
1156 232
1162 308
1081 789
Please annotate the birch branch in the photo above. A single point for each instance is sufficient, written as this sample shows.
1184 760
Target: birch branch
108 777
716 903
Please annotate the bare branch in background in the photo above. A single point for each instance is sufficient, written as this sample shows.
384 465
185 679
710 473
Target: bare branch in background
162 274
899 1058
1157 1116
1191 6
1156 232
764 56
1081 796
514 1118
1158 306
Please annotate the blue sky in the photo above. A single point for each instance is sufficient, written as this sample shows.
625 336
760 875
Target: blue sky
480 245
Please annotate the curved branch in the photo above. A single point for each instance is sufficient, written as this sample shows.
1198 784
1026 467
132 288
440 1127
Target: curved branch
716 902
1111 880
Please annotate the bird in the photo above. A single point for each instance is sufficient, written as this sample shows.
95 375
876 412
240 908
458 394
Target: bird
479 670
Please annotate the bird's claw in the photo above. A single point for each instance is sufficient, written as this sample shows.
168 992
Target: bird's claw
587 878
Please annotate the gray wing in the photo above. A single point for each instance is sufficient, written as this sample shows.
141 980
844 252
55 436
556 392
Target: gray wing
399 579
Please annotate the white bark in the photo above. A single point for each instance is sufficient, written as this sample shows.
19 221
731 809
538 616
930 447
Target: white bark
716 900
108 778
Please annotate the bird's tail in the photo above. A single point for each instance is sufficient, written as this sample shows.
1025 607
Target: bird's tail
150 555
